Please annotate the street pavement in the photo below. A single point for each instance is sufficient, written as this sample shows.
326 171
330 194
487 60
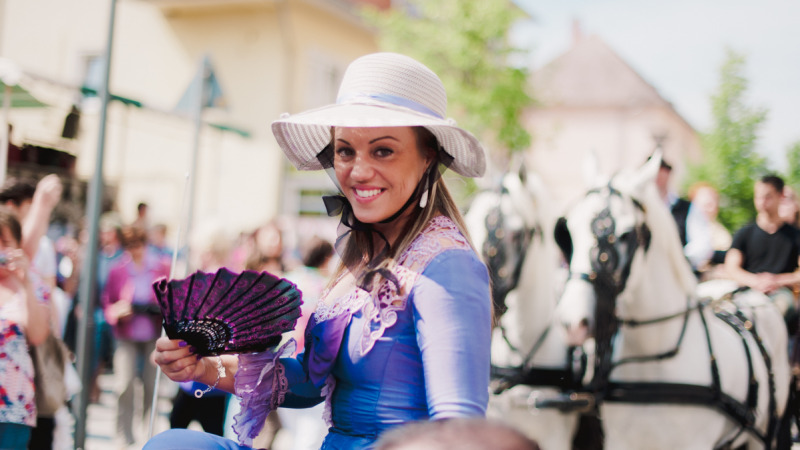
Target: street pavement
101 417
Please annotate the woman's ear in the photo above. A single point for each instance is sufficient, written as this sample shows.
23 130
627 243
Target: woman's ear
430 156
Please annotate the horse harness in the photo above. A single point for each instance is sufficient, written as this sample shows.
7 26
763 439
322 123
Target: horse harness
505 271
608 280
504 267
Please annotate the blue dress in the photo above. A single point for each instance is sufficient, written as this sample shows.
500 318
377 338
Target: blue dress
414 348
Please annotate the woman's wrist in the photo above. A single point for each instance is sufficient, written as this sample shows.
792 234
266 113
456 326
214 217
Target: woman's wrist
217 374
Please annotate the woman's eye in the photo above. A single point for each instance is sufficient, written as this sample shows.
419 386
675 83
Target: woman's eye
383 152
344 152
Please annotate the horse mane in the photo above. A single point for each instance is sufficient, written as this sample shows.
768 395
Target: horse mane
664 234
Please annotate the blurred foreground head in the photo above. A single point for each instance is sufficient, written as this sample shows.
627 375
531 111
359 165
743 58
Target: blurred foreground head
462 434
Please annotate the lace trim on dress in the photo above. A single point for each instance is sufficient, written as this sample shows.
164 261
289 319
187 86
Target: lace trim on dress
327 392
261 383
440 235
349 303
382 306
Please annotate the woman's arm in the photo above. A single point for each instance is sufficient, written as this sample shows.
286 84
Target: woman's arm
45 198
452 312
37 310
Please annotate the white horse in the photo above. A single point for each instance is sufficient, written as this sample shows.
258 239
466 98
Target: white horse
511 229
672 371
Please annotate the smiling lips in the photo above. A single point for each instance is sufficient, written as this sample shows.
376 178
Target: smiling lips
367 194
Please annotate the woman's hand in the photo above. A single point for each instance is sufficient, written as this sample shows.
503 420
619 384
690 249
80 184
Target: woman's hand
16 264
118 310
177 360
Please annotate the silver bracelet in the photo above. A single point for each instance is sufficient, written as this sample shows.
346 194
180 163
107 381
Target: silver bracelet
220 374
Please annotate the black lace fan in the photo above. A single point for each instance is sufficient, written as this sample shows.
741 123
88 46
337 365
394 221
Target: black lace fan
228 312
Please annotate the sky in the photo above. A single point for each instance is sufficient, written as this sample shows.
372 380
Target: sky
678 46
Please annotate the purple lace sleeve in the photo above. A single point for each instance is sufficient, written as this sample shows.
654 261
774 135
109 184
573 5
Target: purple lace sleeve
261 382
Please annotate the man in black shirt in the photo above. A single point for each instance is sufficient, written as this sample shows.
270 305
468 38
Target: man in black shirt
765 254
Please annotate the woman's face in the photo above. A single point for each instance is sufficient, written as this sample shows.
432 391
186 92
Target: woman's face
788 207
708 201
378 169
8 245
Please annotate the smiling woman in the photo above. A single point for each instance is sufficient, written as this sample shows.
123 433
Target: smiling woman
377 168
402 332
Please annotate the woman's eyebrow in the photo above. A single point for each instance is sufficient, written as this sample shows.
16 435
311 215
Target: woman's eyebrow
382 137
372 141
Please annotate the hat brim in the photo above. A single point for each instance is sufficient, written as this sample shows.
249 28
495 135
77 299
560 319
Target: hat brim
303 136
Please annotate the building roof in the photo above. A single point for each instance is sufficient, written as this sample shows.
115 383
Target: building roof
591 74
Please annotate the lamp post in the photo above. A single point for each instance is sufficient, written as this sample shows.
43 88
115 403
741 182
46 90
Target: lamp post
88 281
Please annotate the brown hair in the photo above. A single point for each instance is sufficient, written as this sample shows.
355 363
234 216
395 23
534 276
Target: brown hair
9 220
133 236
694 188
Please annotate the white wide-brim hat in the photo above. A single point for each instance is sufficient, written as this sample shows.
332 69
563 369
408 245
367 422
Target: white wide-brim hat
381 90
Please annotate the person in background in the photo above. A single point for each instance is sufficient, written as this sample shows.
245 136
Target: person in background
267 253
403 330
142 220
33 203
679 207
693 229
109 255
24 320
765 253
789 209
211 248
306 425
132 310
711 239
157 240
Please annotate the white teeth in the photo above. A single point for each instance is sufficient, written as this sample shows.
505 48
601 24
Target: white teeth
369 193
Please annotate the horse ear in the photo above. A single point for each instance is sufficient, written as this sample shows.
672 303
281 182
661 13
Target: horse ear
563 238
590 169
647 173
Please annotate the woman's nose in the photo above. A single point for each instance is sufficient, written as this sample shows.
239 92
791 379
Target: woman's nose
362 169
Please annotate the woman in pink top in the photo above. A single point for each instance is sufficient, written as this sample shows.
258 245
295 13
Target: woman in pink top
23 322
132 310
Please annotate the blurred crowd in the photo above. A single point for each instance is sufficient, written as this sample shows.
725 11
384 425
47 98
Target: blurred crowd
130 257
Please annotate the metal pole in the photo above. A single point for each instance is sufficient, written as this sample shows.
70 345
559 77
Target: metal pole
88 281
200 97
5 139
154 400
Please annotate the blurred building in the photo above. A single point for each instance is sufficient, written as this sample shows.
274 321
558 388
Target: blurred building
590 99
267 57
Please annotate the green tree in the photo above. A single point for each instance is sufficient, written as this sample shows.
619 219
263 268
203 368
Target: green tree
465 43
730 161
793 169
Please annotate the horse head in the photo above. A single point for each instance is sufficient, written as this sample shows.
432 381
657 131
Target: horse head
601 237
502 223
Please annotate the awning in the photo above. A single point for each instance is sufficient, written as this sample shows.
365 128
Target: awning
11 86
12 95
20 98
89 92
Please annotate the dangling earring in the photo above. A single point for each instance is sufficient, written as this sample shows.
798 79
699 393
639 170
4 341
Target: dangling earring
423 199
